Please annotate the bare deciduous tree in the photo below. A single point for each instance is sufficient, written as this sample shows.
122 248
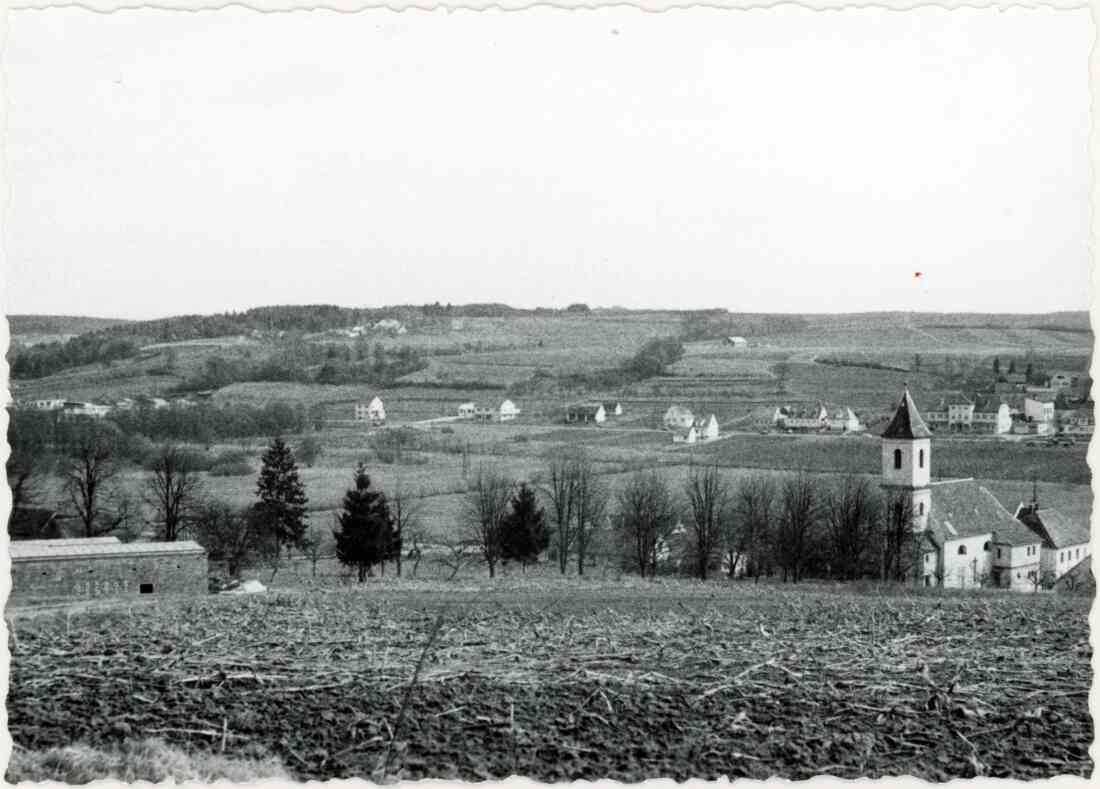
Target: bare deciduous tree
708 501
405 510
851 512
896 538
172 489
798 519
645 518
750 532
560 488
89 471
485 507
589 506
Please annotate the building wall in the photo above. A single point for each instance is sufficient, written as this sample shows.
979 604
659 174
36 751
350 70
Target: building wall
1014 566
107 576
1059 560
911 473
966 570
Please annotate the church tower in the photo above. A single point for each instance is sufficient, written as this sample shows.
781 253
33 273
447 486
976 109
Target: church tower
907 460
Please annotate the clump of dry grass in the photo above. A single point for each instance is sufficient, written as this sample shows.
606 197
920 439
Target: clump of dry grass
147 759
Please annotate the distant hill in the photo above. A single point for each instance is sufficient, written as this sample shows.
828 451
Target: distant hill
57 325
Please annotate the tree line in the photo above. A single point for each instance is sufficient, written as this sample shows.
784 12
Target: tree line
794 526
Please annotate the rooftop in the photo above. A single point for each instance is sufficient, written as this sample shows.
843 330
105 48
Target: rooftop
907 422
1054 528
27 550
963 508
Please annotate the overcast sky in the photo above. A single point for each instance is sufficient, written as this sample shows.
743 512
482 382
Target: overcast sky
780 160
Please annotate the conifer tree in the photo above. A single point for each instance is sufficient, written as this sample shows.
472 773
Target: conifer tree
997 365
366 536
282 496
524 533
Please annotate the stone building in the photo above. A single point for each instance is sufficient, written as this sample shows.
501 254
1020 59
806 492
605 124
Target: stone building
87 568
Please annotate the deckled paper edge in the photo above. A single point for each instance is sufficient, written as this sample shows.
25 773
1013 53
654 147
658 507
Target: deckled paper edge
656 6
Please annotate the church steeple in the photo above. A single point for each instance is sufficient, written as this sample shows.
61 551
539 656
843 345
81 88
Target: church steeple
907 422
907 459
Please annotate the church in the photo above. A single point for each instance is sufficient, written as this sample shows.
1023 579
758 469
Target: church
966 537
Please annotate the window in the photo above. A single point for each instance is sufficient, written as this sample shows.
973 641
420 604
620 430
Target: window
922 458
962 550
998 553
1062 556
987 546
145 589
897 458
920 508
1078 553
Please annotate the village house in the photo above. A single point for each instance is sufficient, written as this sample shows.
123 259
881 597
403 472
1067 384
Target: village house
584 413
959 414
1075 422
93 410
843 420
678 418
506 412
55 404
467 410
613 407
706 429
802 419
373 412
1065 542
966 537
737 342
1039 413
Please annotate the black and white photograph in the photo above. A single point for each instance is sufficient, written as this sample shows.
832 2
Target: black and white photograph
587 394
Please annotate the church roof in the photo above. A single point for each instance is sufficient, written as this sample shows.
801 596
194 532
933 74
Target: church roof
963 508
1055 529
907 422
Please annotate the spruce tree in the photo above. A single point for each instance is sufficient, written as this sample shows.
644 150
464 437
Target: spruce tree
524 533
997 365
366 536
282 496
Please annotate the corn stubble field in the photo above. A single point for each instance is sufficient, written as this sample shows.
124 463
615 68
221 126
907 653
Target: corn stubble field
561 681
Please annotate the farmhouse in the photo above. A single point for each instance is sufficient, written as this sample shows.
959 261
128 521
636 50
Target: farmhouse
1065 542
613 407
507 412
706 429
467 410
843 420
79 569
816 418
583 413
678 418
374 412
737 342
94 410
966 537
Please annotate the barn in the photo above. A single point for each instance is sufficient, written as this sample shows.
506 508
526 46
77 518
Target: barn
83 569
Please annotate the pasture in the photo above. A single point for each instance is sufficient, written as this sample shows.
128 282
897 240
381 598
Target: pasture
650 679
